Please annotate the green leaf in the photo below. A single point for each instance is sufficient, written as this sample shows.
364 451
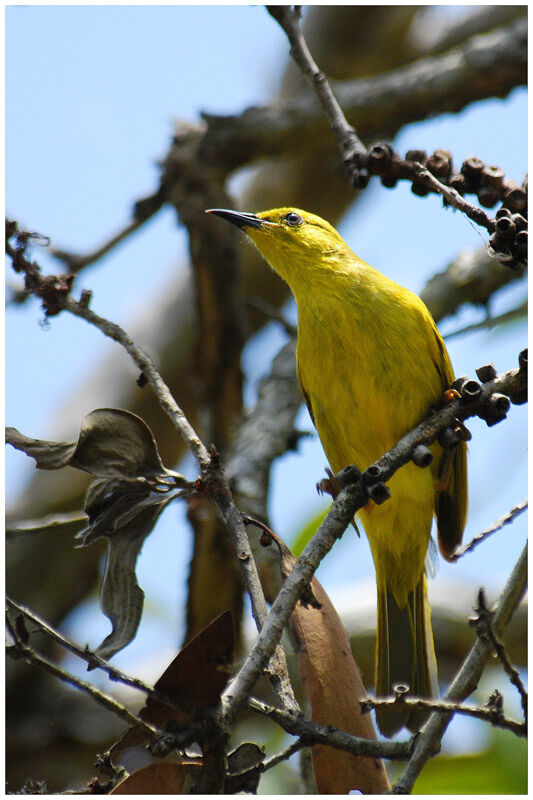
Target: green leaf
308 531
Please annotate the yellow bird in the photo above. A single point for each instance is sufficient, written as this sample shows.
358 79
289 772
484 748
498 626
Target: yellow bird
372 364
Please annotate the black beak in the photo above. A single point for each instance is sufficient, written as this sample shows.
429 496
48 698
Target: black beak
239 218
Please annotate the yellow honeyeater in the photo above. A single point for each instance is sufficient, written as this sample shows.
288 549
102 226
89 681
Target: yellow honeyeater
372 364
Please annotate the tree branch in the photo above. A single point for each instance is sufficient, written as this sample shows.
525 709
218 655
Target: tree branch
348 142
21 650
519 312
508 242
89 656
472 277
485 66
496 526
315 733
482 622
490 715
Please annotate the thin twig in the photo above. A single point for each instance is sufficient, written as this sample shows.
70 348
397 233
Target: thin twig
288 18
89 656
273 761
513 673
21 650
485 630
496 526
143 210
485 714
146 365
466 680
313 732
490 322
76 263
453 198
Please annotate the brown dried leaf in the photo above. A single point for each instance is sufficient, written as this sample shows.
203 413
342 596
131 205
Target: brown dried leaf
194 680
333 687
162 778
287 559
244 757
198 675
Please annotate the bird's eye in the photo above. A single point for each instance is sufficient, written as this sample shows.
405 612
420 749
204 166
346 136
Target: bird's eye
292 218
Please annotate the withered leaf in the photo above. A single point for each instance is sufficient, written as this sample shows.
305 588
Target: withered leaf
126 525
47 455
117 443
332 684
198 675
334 688
133 488
111 503
244 757
172 778
287 560
112 443
194 680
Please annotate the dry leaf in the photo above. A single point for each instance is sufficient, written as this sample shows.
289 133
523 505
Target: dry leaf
168 778
333 687
195 679
112 443
48 455
123 505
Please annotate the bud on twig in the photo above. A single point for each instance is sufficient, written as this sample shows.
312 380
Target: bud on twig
422 456
470 391
486 373
378 493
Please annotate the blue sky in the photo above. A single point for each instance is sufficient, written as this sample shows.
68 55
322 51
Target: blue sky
91 92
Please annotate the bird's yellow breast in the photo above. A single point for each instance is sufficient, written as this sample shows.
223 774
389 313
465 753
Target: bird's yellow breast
371 368
365 365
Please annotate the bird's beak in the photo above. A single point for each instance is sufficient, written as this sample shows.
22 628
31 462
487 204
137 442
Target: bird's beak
239 218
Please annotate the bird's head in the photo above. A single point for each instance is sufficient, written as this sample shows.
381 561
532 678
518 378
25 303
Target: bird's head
295 243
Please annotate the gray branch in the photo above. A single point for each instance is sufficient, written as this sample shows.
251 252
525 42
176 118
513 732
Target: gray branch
485 66
315 733
472 277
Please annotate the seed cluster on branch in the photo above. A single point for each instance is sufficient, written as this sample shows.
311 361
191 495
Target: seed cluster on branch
508 241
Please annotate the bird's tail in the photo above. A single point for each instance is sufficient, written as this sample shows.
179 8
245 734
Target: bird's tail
404 655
